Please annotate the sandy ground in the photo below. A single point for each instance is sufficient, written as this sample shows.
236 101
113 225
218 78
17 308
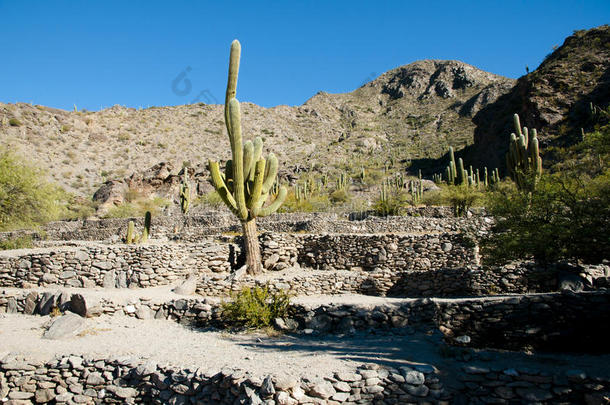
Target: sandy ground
167 342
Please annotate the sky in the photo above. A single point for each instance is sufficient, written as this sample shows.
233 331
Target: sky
95 54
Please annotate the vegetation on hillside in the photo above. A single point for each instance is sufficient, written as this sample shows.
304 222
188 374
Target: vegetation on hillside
565 217
26 198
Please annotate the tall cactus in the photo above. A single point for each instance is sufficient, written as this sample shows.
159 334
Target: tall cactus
523 160
248 178
185 193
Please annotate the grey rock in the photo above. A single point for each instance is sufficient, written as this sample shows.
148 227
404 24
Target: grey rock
63 326
11 306
85 308
44 395
464 339
322 389
267 388
46 303
144 312
30 303
414 377
417 390
109 280
188 286
286 325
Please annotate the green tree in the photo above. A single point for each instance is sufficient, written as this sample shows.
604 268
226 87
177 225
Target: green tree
565 217
26 197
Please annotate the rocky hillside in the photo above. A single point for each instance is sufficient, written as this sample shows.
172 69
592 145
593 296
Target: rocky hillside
555 98
414 111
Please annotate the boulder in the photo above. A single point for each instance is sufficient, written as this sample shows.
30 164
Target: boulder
63 326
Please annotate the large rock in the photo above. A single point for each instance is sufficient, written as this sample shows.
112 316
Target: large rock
64 326
84 307
188 286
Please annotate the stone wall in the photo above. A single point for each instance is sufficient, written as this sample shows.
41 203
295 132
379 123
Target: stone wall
569 322
440 265
194 228
76 379
128 380
110 266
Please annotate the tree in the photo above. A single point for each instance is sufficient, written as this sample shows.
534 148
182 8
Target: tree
26 198
567 214
248 177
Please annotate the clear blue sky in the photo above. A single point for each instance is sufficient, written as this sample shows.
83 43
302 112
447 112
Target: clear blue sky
101 53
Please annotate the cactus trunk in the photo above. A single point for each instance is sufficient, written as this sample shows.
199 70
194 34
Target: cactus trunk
253 251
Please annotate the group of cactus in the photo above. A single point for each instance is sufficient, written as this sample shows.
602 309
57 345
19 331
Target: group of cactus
457 175
523 161
132 237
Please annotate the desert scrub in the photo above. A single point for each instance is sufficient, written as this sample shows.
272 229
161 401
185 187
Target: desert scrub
27 199
210 200
19 242
256 307
14 122
138 208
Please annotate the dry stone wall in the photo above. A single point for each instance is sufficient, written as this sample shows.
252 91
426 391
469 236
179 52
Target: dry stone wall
442 265
569 322
111 266
195 228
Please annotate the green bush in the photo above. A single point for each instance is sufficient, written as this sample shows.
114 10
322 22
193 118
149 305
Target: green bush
138 208
14 122
314 203
19 242
566 217
256 307
395 204
461 198
211 200
26 198
339 196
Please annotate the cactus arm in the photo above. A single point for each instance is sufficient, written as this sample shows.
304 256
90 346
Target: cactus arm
255 194
515 120
272 167
220 186
271 208
258 151
238 162
232 82
248 159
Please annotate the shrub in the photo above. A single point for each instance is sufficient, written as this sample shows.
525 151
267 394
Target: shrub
566 217
339 196
19 242
14 122
138 208
313 203
26 198
461 198
395 204
211 200
256 307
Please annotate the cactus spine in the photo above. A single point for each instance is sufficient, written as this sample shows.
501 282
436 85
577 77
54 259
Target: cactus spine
248 177
185 193
523 160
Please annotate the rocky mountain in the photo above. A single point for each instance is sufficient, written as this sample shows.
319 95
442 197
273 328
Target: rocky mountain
410 114
415 111
555 98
